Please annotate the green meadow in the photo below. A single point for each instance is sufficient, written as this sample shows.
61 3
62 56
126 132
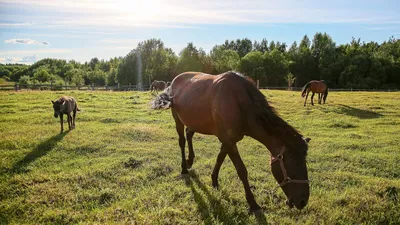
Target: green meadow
121 165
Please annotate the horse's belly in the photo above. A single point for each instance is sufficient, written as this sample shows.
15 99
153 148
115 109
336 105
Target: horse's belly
200 122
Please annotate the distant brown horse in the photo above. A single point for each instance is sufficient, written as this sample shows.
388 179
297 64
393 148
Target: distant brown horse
315 86
229 107
158 85
66 105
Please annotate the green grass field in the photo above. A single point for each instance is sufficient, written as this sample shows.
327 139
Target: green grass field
122 163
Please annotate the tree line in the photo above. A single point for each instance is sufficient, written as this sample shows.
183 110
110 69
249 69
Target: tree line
352 65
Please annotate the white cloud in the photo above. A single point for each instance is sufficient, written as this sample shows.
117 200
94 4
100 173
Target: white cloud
185 14
30 52
25 41
23 60
15 24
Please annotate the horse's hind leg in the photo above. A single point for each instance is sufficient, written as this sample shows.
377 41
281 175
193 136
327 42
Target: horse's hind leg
242 172
319 98
305 101
217 167
312 98
189 137
180 129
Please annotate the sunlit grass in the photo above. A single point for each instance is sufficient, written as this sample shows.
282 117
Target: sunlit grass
122 163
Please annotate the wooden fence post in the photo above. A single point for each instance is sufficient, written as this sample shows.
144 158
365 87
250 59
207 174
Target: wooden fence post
92 87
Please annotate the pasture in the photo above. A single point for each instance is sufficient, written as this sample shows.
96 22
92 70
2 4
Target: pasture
122 163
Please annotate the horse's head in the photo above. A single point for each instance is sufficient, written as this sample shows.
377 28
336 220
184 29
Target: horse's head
57 106
290 171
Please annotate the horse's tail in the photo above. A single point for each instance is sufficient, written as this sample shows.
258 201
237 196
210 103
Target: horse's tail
325 93
163 100
303 91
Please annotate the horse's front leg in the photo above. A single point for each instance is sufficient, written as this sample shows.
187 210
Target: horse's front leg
312 98
220 159
61 122
242 172
189 137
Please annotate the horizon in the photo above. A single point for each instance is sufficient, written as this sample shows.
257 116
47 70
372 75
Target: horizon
81 30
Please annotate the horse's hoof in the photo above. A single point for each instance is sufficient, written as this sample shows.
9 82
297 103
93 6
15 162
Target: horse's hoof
255 209
215 186
189 164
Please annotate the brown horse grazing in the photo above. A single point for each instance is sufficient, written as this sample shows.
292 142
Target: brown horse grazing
65 105
315 86
229 107
158 86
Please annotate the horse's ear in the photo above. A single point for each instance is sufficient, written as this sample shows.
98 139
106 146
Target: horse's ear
52 102
307 139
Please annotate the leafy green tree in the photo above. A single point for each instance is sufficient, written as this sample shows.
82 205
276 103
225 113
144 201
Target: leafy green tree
75 77
42 75
252 65
276 67
189 59
24 81
128 69
290 80
224 60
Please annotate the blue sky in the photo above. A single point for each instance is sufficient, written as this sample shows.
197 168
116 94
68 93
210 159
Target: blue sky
82 29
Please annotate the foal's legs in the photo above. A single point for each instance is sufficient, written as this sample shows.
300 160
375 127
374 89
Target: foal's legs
220 160
61 122
242 172
305 101
312 98
69 120
189 137
180 129
73 124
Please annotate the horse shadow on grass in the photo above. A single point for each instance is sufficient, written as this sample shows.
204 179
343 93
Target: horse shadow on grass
41 150
214 209
355 112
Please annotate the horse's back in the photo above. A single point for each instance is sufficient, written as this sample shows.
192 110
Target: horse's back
208 103
317 86
71 103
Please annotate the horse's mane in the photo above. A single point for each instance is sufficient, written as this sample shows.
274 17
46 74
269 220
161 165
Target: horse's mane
267 116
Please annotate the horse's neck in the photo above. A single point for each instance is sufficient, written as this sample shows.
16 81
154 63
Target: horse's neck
65 108
273 143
